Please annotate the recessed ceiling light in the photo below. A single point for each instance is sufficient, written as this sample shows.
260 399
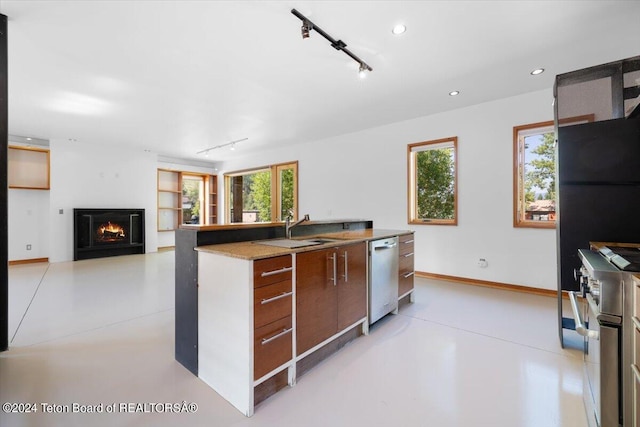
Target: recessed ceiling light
537 71
399 29
454 93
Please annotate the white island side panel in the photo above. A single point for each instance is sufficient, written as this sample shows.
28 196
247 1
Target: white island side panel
225 327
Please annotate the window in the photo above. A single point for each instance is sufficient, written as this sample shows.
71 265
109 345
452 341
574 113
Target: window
263 194
534 176
433 169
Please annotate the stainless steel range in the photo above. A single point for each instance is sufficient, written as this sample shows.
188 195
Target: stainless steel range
605 320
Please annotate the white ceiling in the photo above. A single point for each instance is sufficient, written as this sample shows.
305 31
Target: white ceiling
177 77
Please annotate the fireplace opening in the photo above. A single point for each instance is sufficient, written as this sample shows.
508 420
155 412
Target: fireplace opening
108 232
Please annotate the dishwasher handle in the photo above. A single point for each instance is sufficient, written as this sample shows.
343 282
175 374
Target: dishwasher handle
581 329
377 248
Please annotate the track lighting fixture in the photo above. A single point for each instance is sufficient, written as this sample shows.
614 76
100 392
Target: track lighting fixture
362 72
232 145
307 26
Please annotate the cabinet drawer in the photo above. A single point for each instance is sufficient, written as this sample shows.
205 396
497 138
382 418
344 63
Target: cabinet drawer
272 346
271 302
636 296
636 340
271 270
405 263
405 282
405 243
636 395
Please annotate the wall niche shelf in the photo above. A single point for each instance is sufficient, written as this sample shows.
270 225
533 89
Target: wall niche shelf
169 199
28 168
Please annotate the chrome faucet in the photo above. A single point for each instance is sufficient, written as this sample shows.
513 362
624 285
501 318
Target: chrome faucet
288 225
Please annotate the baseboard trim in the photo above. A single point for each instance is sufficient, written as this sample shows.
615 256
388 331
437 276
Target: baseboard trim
166 248
488 284
28 261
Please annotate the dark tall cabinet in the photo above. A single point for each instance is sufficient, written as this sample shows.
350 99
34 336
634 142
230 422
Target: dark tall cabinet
598 166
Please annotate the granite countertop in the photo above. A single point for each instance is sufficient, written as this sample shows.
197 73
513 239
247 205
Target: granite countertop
252 251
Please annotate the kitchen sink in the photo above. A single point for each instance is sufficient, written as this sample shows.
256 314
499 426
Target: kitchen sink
295 243
288 243
324 240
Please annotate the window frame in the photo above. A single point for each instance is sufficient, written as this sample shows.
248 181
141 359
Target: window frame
412 182
276 191
518 167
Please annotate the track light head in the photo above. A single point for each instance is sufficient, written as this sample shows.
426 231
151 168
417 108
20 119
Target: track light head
362 71
306 28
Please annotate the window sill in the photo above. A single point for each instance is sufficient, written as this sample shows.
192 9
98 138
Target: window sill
535 224
434 221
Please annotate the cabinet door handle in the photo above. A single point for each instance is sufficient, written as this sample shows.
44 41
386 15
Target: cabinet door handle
276 336
277 297
334 279
271 273
346 268
406 276
408 255
408 241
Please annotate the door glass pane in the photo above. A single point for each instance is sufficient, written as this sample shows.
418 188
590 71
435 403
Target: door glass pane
286 194
252 194
192 199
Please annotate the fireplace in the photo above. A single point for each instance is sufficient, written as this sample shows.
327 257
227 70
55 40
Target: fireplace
101 233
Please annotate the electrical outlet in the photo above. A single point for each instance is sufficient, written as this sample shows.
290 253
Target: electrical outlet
28 247
482 263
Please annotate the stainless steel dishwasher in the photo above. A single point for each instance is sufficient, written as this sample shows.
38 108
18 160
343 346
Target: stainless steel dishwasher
383 277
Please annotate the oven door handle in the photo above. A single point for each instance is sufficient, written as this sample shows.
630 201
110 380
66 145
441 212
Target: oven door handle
580 328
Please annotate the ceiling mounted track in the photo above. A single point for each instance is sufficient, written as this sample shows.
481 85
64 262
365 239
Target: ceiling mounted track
308 26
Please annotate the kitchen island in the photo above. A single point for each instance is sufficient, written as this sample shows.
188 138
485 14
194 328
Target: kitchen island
267 314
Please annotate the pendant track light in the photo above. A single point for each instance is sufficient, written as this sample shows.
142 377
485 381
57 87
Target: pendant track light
306 28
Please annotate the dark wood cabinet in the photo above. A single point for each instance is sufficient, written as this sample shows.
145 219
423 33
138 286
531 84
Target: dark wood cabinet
405 265
316 298
352 284
330 292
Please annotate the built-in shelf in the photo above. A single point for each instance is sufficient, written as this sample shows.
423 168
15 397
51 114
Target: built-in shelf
169 199
212 208
28 168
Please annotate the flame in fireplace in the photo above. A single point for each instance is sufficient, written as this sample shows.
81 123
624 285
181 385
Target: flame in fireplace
110 232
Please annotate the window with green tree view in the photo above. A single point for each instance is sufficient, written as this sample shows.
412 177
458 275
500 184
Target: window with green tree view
263 194
534 172
193 196
534 175
432 177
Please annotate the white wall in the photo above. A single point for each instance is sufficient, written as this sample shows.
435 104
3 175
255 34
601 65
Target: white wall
28 219
84 176
364 175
